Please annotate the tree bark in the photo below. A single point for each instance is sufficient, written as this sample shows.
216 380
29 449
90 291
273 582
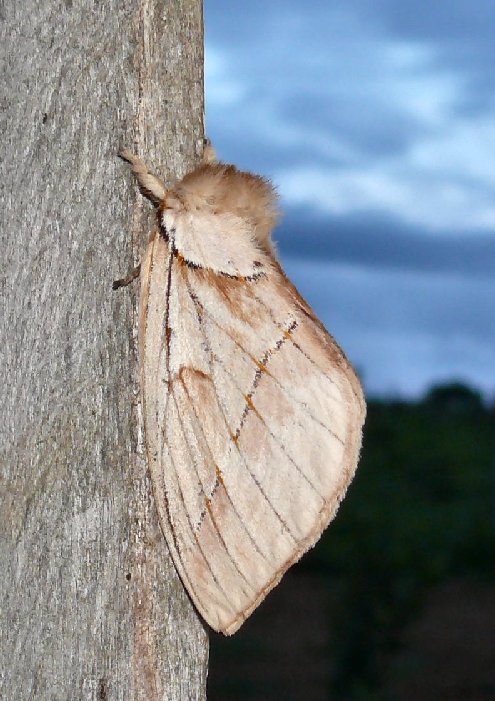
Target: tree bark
91 605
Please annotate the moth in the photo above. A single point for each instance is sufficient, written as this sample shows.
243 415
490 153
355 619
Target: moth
252 413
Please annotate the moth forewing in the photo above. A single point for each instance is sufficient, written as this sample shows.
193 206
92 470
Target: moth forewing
252 413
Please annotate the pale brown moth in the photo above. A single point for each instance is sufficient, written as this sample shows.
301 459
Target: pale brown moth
252 413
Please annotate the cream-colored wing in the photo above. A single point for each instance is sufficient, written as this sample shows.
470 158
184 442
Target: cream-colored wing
218 241
253 423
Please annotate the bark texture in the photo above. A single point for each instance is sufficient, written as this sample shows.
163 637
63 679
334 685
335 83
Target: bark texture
91 605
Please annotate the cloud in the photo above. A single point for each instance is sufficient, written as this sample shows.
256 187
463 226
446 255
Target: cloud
365 121
223 89
380 242
374 118
431 186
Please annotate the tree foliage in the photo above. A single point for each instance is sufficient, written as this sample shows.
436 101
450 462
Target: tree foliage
420 512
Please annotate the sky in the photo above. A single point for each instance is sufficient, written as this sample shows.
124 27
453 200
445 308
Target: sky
375 121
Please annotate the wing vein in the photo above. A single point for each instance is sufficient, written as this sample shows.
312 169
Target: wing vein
172 528
278 442
282 521
284 389
196 539
215 525
143 400
169 384
301 308
217 481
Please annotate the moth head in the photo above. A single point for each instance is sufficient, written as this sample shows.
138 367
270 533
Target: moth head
220 189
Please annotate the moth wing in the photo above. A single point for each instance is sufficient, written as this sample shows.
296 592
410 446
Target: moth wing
253 423
220 242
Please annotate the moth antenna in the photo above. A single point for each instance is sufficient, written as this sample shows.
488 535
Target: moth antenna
209 155
151 186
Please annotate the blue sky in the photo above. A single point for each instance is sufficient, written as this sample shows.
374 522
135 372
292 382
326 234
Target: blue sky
375 120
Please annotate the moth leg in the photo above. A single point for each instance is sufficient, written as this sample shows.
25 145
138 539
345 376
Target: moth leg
151 186
127 279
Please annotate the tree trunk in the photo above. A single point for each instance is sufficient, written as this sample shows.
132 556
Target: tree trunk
91 605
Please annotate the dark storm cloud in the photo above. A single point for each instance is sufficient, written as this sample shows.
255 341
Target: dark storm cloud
399 302
378 242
